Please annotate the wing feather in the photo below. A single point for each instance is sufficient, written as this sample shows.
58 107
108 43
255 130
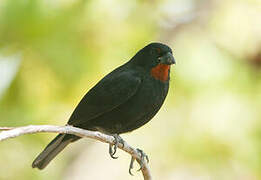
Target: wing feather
112 91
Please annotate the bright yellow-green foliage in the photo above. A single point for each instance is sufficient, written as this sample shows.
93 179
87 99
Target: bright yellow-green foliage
210 124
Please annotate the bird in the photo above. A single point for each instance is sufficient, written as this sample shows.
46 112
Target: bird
122 101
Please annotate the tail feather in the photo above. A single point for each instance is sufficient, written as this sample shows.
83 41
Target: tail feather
52 149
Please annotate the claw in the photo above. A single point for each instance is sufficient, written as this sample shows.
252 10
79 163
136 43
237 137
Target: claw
111 152
131 165
143 157
117 140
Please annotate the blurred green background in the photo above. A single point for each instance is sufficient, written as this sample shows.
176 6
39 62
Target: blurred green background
53 52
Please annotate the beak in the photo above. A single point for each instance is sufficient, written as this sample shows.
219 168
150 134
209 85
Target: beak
167 59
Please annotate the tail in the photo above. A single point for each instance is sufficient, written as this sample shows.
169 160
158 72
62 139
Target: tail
52 149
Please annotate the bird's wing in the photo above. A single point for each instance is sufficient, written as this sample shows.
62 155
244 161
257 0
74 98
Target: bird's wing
112 91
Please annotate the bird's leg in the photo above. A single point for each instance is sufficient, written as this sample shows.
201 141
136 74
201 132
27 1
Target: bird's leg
143 157
117 140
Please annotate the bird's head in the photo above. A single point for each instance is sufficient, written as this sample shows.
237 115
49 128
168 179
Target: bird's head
155 58
154 54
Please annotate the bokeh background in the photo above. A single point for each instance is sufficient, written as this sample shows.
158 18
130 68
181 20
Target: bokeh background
53 52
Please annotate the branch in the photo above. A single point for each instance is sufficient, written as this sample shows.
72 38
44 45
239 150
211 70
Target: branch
12 132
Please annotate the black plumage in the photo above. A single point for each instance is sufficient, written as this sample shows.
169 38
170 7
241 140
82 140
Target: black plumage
122 101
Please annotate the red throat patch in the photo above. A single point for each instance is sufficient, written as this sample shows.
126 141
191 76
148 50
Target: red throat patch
160 72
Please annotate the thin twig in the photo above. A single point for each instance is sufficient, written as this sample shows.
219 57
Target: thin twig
12 132
6 128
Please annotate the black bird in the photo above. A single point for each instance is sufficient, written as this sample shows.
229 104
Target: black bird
124 100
